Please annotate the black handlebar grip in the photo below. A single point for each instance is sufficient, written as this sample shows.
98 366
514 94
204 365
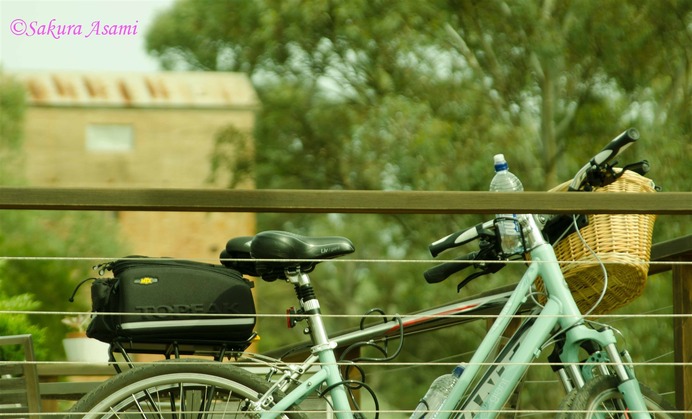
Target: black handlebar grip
443 271
617 145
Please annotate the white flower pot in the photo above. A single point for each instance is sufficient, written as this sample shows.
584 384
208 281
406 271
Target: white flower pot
84 349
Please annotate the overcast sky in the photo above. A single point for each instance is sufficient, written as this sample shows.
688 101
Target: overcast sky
77 34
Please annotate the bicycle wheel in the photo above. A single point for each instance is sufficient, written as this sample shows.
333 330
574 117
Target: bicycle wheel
176 389
600 398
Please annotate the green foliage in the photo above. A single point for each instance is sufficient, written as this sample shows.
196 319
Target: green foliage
12 110
40 247
59 238
233 148
14 322
20 324
527 74
413 95
12 115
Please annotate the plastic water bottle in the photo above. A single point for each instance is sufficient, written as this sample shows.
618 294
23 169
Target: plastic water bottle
505 181
437 394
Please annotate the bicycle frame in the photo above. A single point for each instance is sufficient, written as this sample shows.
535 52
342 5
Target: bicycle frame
447 315
494 388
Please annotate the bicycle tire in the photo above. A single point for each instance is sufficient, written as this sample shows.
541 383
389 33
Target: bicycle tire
566 405
601 396
170 389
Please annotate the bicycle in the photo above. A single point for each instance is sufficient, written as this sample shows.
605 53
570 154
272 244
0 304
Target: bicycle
603 384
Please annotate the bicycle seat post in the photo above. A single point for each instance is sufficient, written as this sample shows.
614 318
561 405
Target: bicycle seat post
310 308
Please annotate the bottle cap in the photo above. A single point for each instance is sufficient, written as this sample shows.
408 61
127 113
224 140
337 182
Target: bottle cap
458 370
500 162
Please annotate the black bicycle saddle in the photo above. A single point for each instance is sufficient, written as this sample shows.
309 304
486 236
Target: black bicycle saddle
284 245
239 248
290 248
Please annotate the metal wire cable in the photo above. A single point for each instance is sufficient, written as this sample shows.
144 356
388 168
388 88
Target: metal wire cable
656 361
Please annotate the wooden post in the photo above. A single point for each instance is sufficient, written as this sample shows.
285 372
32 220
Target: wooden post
682 304
679 250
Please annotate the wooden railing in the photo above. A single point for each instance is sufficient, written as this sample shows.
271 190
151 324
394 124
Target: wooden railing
322 201
312 201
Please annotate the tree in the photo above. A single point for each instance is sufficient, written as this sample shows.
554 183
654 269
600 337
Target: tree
19 323
11 120
515 73
420 95
576 57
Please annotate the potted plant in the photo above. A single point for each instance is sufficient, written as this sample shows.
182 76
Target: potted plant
79 347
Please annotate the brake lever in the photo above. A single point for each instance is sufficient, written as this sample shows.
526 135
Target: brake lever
606 175
603 159
488 252
601 176
640 167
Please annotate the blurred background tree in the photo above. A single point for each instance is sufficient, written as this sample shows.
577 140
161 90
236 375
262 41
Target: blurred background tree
56 236
412 95
12 104
19 323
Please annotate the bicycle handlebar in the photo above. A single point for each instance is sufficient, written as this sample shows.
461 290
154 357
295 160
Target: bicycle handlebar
599 162
603 157
461 237
615 147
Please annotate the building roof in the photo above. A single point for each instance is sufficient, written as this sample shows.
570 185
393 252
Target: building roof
145 90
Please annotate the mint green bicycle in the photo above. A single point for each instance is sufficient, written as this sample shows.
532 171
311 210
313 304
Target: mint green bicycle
600 384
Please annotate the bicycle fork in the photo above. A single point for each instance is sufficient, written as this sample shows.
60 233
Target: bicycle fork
578 335
604 358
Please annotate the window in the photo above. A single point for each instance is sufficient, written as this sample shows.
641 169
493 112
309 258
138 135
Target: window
111 138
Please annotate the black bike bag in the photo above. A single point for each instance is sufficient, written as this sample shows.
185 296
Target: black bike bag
154 300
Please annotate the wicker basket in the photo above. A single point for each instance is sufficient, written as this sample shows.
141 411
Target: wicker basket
622 242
